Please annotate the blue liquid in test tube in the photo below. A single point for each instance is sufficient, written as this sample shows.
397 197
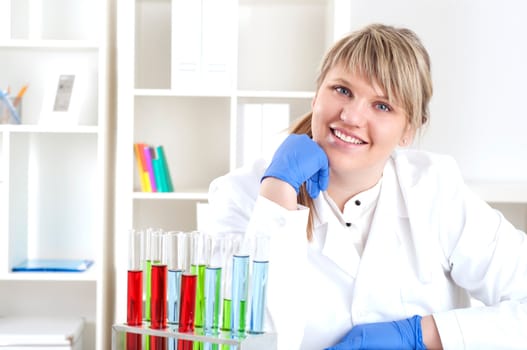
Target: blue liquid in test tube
212 303
240 276
212 298
174 296
258 288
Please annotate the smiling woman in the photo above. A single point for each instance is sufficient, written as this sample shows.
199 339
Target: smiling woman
417 228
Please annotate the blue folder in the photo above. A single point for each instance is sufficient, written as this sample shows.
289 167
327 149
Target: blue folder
53 265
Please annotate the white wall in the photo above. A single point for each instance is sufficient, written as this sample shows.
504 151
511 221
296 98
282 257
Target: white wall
479 66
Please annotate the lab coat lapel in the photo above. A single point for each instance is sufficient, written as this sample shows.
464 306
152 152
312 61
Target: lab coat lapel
335 240
378 282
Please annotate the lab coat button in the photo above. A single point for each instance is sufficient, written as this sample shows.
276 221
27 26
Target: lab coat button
281 222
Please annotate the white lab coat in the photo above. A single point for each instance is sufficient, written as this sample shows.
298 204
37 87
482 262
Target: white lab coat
432 245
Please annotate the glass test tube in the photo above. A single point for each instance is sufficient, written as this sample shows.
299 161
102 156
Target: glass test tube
232 243
259 284
198 262
134 312
240 277
177 249
147 269
213 274
158 306
176 254
187 309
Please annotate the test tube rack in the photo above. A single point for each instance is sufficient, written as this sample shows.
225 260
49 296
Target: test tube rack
264 341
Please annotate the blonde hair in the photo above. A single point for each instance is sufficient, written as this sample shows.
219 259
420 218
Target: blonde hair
396 60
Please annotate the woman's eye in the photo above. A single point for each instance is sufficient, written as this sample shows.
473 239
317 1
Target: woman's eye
343 90
383 107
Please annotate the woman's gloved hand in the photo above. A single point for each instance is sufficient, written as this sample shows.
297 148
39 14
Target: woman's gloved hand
403 334
300 159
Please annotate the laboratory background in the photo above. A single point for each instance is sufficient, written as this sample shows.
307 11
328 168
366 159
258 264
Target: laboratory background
89 88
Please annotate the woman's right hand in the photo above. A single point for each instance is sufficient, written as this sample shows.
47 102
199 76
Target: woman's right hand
299 159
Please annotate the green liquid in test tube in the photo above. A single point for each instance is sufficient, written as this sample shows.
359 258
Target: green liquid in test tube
199 270
148 273
199 252
231 246
226 319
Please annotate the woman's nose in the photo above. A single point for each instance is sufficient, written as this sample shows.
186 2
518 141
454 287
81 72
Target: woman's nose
353 113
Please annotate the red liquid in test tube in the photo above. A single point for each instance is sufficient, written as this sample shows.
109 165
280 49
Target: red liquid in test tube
158 307
134 315
134 307
158 287
188 304
159 297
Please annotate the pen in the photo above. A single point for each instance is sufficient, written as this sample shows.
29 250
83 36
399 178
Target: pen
19 96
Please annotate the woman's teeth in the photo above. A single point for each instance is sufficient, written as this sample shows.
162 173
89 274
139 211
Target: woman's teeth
347 138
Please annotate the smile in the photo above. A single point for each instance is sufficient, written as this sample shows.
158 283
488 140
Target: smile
347 138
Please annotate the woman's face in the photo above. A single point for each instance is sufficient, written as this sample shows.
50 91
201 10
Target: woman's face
355 124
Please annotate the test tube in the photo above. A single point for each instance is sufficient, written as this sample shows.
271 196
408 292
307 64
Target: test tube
187 309
232 243
213 278
147 269
240 288
259 283
177 258
176 253
199 253
158 306
134 312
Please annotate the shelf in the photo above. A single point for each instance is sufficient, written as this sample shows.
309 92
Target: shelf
276 94
87 276
49 44
180 93
200 195
44 129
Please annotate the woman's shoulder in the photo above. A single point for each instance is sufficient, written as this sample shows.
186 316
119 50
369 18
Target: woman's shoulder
418 165
243 181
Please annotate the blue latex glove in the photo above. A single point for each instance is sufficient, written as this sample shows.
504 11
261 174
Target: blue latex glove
300 159
397 335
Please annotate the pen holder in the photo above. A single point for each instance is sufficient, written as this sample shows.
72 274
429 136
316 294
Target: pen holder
10 109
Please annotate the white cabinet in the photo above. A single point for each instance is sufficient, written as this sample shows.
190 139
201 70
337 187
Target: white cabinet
53 179
186 68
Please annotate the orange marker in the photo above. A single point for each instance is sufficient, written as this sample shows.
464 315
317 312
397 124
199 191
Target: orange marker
19 96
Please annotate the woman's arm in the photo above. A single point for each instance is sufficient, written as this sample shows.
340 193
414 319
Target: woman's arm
430 334
279 192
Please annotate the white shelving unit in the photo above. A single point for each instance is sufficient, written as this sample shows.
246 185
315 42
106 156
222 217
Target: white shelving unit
53 179
184 69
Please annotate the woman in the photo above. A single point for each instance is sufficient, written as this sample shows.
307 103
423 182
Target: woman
396 244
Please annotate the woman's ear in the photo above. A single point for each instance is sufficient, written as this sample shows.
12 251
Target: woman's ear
407 137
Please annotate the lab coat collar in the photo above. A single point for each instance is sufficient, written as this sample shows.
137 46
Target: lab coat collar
400 186
332 236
